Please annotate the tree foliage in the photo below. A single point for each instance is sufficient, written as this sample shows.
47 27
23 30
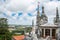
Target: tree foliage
4 32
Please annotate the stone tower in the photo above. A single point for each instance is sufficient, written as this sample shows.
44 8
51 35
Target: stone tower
37 32
38 16
44 18
41 19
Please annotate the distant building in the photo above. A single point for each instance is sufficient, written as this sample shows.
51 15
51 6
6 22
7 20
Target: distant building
11 28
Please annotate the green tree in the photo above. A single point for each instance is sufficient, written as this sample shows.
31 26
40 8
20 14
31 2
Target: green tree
4 32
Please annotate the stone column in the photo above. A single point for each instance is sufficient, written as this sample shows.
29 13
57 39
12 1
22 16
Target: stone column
44 32
51 33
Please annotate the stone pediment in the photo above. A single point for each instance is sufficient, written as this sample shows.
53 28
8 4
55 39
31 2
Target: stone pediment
48 25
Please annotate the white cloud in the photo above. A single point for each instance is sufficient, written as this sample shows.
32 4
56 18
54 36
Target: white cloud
28 6
50 10
18 5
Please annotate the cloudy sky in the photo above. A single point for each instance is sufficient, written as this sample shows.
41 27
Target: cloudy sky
22 12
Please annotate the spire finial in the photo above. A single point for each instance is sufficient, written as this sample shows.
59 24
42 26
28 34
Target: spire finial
38 5
57 10
38 9
57 15
42 9
32 23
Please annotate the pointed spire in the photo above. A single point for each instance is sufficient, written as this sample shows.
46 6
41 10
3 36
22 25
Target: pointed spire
42 9
57 15
38 13
32 23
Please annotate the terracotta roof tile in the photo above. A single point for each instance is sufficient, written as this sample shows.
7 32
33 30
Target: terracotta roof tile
18 37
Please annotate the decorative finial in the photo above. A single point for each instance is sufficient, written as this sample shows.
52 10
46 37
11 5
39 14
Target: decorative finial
42 9
57 14
38 3
32 23
38 8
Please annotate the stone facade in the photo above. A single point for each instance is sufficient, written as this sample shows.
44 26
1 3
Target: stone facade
47 29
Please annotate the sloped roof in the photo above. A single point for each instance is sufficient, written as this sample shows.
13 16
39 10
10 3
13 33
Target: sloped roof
18 37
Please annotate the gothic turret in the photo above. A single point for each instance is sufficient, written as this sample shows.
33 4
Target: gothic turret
44 18
56 19
43 14
57 15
